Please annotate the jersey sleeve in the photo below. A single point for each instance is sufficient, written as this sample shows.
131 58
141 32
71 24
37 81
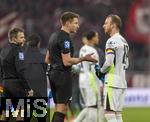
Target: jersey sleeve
65 45
111 46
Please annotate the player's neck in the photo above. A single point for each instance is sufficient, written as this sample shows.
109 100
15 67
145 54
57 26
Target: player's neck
65 29
113 32
91 44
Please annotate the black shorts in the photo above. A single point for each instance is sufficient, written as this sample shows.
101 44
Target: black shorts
61 86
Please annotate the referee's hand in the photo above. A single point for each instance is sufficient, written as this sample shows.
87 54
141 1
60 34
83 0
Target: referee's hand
30 93
90 57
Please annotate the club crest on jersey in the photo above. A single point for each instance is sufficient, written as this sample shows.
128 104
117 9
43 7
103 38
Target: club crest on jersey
66 44
21 56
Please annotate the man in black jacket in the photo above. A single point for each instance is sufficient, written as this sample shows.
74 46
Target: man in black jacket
12 66
35 67
35 70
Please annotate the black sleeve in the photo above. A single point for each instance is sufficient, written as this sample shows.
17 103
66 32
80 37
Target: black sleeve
65 46
20 68
50 42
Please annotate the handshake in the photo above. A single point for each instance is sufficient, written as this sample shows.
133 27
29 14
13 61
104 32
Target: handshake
99 74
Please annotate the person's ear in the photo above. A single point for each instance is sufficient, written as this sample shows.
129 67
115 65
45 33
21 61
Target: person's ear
112 26
13 39
67 23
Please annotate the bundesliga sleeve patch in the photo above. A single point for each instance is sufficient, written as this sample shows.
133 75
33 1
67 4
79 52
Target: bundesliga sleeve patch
21 56
66 44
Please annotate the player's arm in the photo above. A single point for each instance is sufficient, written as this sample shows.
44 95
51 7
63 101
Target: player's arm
111 46
109 60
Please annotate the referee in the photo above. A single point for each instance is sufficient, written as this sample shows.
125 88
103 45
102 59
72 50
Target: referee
12 58
12 68
60 56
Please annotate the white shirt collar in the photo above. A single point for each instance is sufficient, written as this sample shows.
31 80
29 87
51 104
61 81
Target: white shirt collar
116 34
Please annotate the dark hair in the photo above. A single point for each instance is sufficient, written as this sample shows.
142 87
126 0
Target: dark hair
67 16
33 40
13 32
116 19
90 34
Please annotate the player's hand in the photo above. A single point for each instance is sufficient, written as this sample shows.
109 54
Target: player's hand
75 70
89 57
98 73
30 93
97 70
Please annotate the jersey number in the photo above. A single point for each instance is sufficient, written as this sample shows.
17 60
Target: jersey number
125 55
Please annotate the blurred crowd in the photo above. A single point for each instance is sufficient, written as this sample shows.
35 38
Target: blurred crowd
41 17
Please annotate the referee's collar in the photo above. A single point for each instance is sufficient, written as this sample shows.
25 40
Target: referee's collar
64 32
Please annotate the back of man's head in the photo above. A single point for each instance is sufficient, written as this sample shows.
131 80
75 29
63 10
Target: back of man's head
90 34
33 40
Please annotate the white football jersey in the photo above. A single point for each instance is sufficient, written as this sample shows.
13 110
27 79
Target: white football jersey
116 77
87 69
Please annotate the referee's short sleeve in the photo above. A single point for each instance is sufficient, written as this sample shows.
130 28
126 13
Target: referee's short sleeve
65 46
50 43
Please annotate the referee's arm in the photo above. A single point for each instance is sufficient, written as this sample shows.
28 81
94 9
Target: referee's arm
69 61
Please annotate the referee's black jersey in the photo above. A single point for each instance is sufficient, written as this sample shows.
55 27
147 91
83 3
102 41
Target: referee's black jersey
60 42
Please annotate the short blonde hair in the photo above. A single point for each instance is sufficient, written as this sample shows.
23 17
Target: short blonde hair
115 19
